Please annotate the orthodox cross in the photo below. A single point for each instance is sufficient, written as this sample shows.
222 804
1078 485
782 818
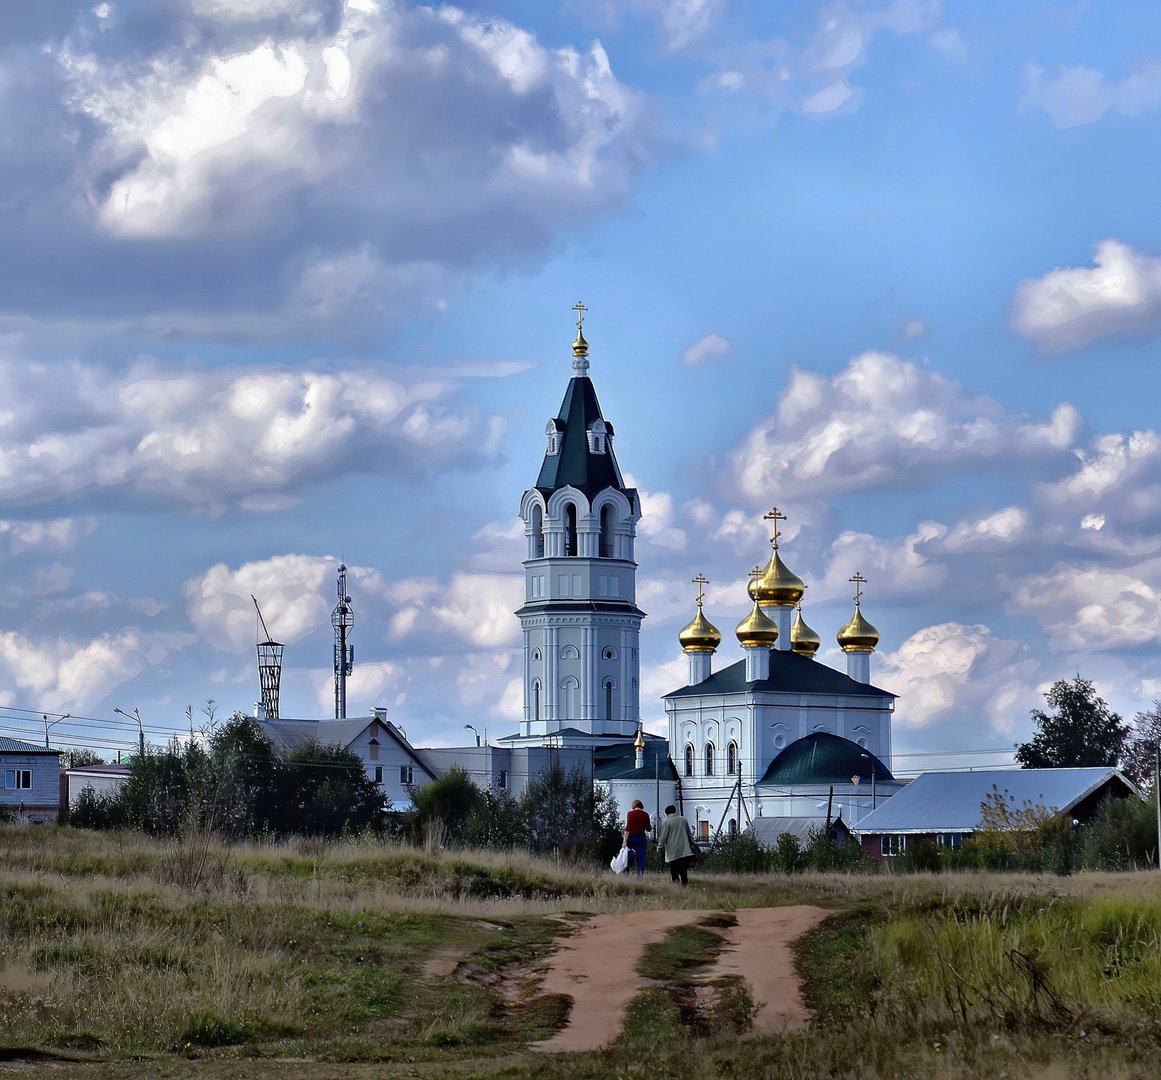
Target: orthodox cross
580 310
699 581
859 581
775 517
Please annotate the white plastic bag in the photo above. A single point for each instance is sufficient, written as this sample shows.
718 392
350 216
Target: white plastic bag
620 861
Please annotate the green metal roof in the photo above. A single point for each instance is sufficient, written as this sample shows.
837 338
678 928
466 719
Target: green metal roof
823 758
574 465
618 762
789 673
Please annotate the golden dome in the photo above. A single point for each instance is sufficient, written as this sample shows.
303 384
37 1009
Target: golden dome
580 347
858 635
700 635
802 639
757 629
777 585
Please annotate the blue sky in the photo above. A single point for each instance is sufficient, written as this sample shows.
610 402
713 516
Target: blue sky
288 282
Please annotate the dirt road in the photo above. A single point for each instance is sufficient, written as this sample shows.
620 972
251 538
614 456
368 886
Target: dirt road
595 966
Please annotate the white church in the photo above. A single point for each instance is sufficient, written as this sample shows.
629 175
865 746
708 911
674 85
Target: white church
776 735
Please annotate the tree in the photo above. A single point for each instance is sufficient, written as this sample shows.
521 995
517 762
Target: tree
76 757
329 793
1081 730
1140 758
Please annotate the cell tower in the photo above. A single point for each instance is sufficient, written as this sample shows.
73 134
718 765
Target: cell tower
269 666
342 619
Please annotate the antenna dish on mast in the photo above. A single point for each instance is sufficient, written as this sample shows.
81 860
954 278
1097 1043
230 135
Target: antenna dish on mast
269 667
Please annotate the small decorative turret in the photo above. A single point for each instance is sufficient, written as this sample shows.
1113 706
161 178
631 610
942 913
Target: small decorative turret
803 640
639 746
778 587
700 639
580 347
757 635
858 637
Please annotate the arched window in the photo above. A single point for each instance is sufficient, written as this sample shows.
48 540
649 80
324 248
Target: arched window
709 759
537 533
373 750
570 529
689 759
606 531
732 828
608 699
535 699
732 758
568 697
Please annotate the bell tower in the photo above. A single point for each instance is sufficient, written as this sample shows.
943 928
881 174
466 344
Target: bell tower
580 618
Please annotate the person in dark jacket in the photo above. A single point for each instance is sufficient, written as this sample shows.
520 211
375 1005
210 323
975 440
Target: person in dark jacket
636 833
676 842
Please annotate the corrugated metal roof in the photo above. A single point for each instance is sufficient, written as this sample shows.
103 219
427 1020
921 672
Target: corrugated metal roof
950 801
789 674
15 746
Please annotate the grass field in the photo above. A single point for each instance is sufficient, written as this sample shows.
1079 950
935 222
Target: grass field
121 956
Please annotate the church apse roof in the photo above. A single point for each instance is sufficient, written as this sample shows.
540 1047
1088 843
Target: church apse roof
575 464
790 673
823 758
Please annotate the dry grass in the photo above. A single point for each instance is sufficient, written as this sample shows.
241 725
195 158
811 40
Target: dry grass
120 945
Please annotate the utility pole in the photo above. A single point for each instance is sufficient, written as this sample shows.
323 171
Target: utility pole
1157 797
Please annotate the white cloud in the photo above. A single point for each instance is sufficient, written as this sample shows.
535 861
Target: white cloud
711 347
1094 608
1073 306
367 686
828 100
60 674
1082 95
296 593
211 438
1002 527
892 568
59 534
952 673
880 421
476 608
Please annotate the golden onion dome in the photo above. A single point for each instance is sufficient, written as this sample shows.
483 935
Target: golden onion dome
700 635
580 347
858 635
802 639
777 585
757 629
639 745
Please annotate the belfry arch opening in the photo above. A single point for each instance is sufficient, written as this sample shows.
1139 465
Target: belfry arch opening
606 549
570 529
537 533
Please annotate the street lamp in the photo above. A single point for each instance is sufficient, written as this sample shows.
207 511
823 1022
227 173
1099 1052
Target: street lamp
47 725
135 715
872 761
474 732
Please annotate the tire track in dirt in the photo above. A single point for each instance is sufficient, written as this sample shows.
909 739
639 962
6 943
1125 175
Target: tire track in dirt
596 965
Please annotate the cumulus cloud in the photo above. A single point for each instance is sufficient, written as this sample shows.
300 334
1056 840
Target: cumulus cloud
894 568
367 686
225 172
963 673
883 421
212 438
1002 527
476 608
296 593
62 674
39 537
1073 306
1080 95
711 347
1094 608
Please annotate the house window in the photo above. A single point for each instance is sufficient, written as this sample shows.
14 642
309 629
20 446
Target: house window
378 774
502 779
951 840
689 759
894 844
709 759
373 750
703 829
18 779
732 758
406 775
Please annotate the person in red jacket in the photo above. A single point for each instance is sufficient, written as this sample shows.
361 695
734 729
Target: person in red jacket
636 833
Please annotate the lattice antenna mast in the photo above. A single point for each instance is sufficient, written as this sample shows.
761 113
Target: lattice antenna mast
342 619
269 666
